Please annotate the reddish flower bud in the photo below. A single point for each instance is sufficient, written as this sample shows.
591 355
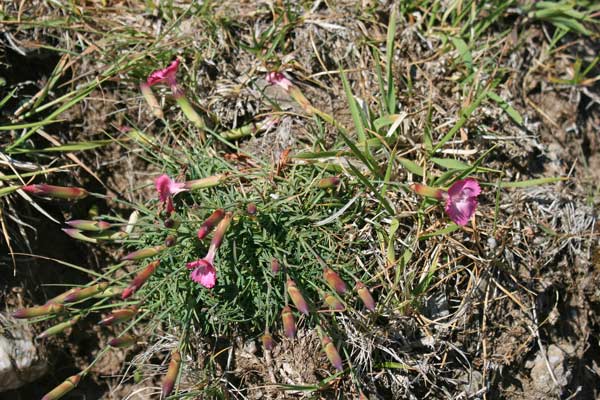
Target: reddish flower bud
119 315
58 328
172 223
267 341
334 280
251 209
144 253
171 376
61 297
217 239
332 353
328 183
171 241
140 279
427 191
297 297
275 266
122 341
62 389
57 192
289 324
38 311
210 223
365 296
334 303
84 293
86 225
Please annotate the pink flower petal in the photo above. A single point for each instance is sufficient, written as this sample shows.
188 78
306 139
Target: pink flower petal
167 187
204 274
462 200
277 78
166 75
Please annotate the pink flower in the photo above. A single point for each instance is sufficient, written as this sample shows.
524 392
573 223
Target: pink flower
167 188
277 78
203 272
166 75
461 200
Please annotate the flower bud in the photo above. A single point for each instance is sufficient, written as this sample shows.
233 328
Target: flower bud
334 303
170 241
57 192
144 253
122 341
61 297
427 191
112 291
210 223
133 219
334 280
140 279
205 182
38 311
76 234
171 376
64 388
84 293
87 225
267 341
365 296
297 297
275 266
251 209
289 324
217 239
332 353
119 315
58 328
172 223
328 183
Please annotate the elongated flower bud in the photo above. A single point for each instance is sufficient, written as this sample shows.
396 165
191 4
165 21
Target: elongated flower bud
76 234
64 388
332 353
217 239
57 192
365 296
267 341
59 328
144 253
171 376
334 303
140 279
297 297
328 183
210 223
204 183
334 280
133 219
427 191
61 297
289 324
87 225
275 266
84 293
112 291
46 309
122 341
119 315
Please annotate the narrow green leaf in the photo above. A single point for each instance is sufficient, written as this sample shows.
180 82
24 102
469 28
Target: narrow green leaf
450 163
464 51
7 190
507 108
449 229
411 166
532 182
